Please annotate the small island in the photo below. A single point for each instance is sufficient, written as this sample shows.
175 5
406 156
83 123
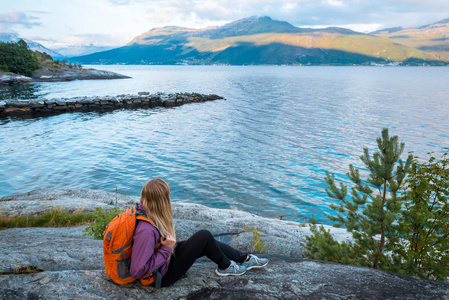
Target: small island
20 65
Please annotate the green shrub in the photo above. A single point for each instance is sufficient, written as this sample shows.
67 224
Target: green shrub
258 244
422 247
398 215
322 246
101 219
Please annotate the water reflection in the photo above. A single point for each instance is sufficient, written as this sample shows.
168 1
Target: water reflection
20 92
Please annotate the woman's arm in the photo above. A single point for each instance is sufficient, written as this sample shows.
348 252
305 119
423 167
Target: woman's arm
144 260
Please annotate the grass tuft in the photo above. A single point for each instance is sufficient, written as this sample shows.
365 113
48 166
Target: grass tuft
53 218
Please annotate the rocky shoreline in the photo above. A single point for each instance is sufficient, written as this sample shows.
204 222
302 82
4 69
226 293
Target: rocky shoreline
42 107
72 264
54 75
69 74
13 79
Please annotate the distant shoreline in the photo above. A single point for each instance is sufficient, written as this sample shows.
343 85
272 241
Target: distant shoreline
424 64
63 74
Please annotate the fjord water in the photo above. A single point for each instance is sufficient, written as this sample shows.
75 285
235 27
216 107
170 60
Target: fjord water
265 149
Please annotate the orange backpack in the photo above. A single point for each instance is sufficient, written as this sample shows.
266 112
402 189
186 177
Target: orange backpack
118 244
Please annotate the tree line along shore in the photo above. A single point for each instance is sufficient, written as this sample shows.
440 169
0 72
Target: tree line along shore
20 65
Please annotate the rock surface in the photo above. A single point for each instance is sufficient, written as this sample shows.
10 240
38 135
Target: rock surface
285 238
68 74
49 249
13 79
62 74
282 279
72 264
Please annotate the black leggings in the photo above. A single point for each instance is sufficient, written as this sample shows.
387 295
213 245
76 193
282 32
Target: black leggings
202 243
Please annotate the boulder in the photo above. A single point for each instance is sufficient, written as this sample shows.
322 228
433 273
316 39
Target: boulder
20 104
87 101
61 102
16 111
170 103
37 104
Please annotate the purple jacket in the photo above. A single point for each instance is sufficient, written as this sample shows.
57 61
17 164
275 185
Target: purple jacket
144 260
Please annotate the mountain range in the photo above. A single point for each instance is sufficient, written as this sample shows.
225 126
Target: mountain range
431 39
56 53
262 40
14 38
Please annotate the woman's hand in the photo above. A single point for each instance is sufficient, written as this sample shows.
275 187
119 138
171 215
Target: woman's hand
168 241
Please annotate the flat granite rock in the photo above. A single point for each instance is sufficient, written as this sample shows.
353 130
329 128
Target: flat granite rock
283 278
73 266
49 249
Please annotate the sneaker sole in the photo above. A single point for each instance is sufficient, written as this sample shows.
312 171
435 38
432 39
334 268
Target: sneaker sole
256 267
227 274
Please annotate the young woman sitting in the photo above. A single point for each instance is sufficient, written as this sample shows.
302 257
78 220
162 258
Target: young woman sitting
173 259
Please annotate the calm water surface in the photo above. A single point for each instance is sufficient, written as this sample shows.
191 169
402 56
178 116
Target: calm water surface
264 149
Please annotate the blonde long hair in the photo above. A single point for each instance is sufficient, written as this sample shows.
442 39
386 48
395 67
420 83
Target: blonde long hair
155 198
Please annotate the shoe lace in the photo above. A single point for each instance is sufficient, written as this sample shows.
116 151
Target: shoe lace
234 265
255 258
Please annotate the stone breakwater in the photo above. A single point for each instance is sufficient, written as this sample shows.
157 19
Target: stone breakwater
35 108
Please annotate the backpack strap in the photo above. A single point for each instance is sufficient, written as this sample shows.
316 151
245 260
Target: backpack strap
158 279
140 215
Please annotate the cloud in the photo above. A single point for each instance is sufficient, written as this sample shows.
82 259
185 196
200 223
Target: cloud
120 2
366 28
336 3
40 11
298 12
11 20
116 22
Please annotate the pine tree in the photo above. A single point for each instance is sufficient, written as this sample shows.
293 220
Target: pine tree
369 212
17 58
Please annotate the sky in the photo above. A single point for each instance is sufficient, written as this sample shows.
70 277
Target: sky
70 23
